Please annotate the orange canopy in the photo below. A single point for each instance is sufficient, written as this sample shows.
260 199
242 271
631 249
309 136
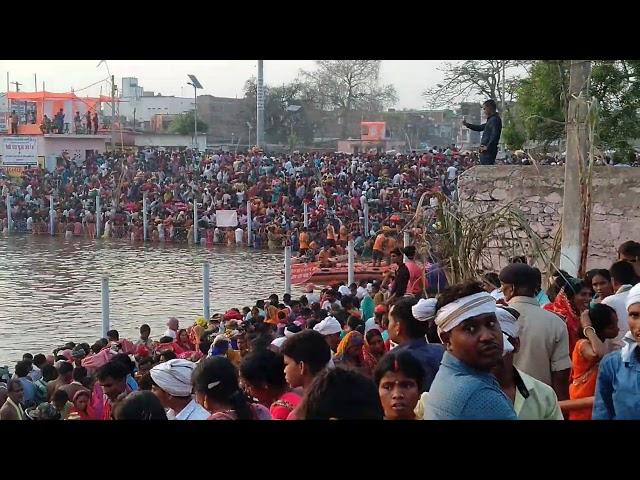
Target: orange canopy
41 96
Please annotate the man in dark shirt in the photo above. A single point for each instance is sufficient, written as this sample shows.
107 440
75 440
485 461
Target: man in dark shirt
491 131
401 281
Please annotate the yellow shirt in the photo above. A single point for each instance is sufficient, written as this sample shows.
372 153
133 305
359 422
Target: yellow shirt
541 404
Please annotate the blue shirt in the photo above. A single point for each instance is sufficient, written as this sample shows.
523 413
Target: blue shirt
131 382
617 388
429 355
542 298
460 392
29 392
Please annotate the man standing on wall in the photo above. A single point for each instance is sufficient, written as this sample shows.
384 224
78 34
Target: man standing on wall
491 131
14 123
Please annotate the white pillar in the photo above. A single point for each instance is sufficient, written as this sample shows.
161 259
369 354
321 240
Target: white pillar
51 221
366 218
105 305
9 219
145 218
249 225
351 276
306 215
406 241
98 216
195 220
287 270
206 274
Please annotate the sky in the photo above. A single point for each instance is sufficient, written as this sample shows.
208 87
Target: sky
221 78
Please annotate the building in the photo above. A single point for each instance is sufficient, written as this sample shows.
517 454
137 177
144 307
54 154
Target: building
32 145
137 106
466 138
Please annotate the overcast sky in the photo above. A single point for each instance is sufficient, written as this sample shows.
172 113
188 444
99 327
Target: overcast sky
222 78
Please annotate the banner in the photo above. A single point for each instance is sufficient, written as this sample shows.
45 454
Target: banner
19 150
302 272
226 218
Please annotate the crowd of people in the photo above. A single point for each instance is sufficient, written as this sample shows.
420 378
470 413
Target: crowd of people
500 347
337 189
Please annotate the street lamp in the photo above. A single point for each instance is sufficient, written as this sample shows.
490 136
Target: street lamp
196 85
249 126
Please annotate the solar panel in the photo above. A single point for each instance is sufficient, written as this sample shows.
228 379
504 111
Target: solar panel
195 81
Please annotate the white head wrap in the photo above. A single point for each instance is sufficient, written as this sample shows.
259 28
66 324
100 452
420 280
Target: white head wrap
508 323
425 309
454 313
328 326
174 376
633 296
289 333
279 342
344 290
506 344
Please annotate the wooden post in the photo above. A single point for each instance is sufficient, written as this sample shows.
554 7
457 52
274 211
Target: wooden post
576 161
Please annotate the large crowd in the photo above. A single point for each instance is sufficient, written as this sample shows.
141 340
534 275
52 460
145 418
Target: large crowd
336 187
508 345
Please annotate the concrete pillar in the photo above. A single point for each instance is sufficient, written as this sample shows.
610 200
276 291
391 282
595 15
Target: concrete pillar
351 276
105 305
206 274
287 269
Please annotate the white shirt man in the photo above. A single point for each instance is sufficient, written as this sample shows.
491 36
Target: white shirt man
617 302
452 172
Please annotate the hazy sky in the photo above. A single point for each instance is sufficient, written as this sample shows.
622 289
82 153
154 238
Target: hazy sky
222 78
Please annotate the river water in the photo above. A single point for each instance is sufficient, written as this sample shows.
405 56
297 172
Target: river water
50 288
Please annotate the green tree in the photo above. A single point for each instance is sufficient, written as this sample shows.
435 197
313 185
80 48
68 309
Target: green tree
183 124
542 101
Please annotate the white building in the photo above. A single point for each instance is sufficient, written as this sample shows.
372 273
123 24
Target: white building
146 104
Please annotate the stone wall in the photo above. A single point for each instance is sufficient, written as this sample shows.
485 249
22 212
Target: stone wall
537 192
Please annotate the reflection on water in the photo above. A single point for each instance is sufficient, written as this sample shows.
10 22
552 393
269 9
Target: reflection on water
50 288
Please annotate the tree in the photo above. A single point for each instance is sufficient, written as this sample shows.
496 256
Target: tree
183 124
543 98
476 78
542 101
278 121
347 85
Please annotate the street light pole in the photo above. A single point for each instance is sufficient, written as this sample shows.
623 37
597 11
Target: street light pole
195 117
260 107
195 84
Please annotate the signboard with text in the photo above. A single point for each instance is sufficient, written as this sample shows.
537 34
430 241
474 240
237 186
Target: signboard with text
19 150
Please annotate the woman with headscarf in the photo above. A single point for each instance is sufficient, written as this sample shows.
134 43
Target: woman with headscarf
617 387
373 349
183 341
572 299
215 383
464 387
349 352
82 410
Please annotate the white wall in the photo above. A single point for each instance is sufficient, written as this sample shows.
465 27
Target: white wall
168 140
146 107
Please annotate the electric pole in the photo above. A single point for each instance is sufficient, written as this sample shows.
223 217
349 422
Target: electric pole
17 84
260 107
113 113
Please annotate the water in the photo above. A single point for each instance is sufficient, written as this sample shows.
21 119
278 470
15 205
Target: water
50 288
